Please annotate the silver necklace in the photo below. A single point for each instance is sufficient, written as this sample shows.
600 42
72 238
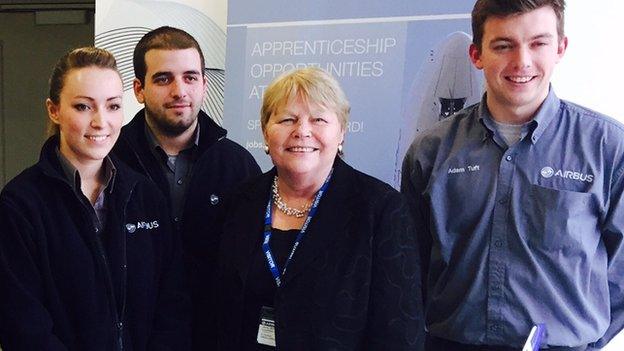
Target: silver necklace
281 205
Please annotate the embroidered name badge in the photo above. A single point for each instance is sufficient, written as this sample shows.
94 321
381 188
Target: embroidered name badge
469 168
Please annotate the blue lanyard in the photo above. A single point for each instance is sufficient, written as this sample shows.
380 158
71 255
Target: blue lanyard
268 219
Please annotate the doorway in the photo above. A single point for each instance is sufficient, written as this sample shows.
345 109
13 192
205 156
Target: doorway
2 136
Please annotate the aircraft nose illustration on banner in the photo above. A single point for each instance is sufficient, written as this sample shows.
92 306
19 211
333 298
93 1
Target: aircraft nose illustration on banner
458 80
445 83
121 31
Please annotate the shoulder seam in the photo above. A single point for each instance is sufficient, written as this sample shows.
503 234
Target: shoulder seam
586 112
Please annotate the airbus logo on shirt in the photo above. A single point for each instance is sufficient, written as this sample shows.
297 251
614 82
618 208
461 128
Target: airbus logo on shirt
549 172
131 227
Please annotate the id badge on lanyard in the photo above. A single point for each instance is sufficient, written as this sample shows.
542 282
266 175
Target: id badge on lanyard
266 328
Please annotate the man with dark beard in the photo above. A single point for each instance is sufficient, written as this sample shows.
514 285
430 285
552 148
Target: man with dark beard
185 153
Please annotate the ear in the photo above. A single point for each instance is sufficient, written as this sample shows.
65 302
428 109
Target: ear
53 111
561 48
265 137
138 90
475 56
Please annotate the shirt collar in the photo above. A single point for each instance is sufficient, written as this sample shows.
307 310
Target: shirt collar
73 176
545 114
542 118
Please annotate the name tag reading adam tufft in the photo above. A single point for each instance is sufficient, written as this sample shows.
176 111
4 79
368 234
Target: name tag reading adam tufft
266 329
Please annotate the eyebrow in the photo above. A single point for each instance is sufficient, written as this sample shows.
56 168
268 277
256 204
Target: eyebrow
92 99
543 36
169 73
160 74
538 36
84 97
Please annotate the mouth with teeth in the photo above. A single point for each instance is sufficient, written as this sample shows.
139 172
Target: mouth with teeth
97 138
301 149
520 79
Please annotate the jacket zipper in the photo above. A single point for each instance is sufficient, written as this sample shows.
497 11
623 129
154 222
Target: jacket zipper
124 274
111 287
100 248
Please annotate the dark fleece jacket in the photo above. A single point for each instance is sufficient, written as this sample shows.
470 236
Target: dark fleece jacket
65 286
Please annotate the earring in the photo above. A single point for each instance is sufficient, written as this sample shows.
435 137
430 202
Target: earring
266 149
340 152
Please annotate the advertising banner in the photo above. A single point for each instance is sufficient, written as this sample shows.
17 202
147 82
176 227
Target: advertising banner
403 65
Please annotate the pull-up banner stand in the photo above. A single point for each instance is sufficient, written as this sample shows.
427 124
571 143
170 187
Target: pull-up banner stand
403 65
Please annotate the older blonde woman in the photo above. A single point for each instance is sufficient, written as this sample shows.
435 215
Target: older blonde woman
316 255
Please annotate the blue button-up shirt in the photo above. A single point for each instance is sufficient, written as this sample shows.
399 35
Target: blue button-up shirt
519 235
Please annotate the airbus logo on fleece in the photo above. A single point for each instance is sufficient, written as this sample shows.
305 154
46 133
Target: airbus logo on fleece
131 227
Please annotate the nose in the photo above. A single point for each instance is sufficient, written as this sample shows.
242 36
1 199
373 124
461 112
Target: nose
177 89
522 58
97 120
303 129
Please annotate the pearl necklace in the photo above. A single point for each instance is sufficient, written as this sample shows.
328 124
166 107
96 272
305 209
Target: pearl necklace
281 205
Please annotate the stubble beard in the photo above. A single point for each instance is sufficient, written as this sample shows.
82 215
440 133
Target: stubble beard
168 127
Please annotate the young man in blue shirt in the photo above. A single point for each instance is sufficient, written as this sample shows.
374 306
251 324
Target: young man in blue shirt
523 197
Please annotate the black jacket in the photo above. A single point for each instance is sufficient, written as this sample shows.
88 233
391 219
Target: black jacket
221 164
353 284
65 287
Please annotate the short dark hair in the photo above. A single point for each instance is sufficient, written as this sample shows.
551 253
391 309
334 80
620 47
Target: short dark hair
76 59
164 38
483 9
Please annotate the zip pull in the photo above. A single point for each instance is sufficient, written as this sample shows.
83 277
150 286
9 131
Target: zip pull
120 335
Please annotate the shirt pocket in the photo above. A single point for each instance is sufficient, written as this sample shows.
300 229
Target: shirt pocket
559 219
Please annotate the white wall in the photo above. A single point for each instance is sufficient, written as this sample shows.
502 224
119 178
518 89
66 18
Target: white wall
591 72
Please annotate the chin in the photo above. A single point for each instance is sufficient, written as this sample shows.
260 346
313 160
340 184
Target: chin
98 157
307 169
295 170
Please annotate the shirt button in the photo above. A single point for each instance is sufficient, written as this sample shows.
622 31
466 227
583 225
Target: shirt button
494 327
502 201
508 158
214 199
498 243
179 181
97 229
176 219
